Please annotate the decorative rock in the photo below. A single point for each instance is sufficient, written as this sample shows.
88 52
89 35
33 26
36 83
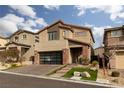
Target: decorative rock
77 74
75 78
93 68
85 74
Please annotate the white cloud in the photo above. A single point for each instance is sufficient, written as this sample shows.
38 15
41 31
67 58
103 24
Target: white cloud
24 10
114 11
7 27
28 23
13 18
41 21
11 23
52 7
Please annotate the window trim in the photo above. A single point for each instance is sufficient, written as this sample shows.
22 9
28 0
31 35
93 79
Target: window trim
52 35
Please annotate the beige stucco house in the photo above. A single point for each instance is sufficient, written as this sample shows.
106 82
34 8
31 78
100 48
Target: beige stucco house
62 43
114 46
22 40
58 43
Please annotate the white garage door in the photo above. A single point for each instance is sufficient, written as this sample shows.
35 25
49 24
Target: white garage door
120 60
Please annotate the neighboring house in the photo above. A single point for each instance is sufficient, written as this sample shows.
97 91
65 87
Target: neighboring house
58 43
99 51
23 41
62 43
114 46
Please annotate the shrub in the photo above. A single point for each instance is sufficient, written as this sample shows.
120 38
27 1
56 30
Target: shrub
94 63
13 65
115 74
83 60
80 59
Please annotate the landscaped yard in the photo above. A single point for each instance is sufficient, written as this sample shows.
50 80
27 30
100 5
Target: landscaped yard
93 74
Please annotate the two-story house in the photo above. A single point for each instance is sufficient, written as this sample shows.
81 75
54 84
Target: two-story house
61 43
58 43
23 41
114 46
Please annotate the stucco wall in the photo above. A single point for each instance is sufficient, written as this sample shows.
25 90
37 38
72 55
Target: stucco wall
50 45
29 39
84 38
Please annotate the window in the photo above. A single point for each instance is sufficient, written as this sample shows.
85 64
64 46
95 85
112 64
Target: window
80 33
52 35
66 33
16 38
24 37
116 33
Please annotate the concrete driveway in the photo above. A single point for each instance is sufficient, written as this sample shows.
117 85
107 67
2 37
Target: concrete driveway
34 69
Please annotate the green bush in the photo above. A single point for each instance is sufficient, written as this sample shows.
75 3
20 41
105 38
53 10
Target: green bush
94 63
83 60
115 74
13 65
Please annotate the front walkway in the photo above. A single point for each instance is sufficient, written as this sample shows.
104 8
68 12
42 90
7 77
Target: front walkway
34 69
62 71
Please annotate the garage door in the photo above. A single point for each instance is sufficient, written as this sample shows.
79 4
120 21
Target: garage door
120 60
51 57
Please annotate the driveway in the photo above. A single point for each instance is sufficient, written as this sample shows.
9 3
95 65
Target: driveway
34 69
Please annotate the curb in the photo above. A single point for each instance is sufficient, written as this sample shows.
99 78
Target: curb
62 79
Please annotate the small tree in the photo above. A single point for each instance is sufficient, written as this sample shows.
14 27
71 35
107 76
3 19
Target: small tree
83 60
12 55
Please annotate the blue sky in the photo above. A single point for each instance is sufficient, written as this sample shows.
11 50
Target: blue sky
34 18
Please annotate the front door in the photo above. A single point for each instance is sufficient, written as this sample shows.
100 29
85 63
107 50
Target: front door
75 53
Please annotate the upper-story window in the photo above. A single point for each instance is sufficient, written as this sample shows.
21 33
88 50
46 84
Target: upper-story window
116 33
66 33
80 33
24 36
16 38
52 35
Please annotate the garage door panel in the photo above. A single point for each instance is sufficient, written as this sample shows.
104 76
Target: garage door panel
51 57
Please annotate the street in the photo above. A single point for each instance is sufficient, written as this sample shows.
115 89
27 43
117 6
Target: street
17 81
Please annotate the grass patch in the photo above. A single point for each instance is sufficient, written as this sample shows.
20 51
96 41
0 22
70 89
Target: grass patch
55 70
13 66
93 74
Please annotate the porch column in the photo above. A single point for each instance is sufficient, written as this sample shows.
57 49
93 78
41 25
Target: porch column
65 56
85 51
36 57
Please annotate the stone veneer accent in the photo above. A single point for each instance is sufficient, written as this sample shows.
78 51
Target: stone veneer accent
36 57
85 51
65 53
